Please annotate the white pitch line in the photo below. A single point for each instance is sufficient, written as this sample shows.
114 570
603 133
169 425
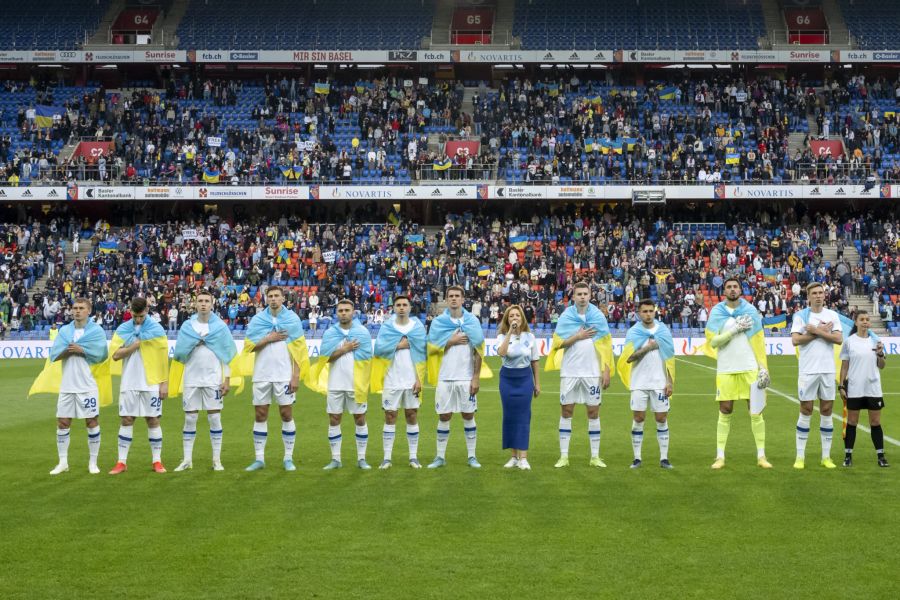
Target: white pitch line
795 401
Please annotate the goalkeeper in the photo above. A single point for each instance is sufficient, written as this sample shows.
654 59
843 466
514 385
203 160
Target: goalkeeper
735 339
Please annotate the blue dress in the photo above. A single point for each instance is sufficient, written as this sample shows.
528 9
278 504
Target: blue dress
517 390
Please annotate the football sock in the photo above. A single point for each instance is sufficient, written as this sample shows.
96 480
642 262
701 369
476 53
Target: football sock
387 440
803 422
662 436
260 433
288 435
412 438
565 434
826 430
215 436
594 436
443 434
878 438
62 445
637 438
362 440
154 434
850 438
723 427
93 443
188 434
126 432
471 433
758 426
334 440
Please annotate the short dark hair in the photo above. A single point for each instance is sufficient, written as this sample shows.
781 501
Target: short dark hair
138 304
581 284
346 301
401 297
734 279
646 302
814 285
456 288
274 288
203 292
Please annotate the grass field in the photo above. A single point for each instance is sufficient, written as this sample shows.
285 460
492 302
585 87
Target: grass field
457 532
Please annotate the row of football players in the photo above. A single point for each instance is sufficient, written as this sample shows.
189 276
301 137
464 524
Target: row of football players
275 354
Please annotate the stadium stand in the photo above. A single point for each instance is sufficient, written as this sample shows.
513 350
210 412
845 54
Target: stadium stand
51 24
306 24
873 23
644 25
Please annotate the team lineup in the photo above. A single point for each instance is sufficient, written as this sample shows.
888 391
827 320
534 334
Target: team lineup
836 355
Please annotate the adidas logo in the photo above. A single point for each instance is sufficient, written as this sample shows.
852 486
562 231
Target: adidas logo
2 194
461 192
840 190
437 192
815 190
574 56
548 56
52 194
411 192
599 56
27 194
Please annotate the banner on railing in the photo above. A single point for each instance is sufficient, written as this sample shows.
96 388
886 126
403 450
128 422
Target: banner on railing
449 191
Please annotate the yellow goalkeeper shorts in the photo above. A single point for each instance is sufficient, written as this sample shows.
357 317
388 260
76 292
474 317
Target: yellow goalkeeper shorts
734 386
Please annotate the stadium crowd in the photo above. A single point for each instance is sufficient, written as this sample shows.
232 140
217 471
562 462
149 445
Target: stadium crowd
499 261
391 130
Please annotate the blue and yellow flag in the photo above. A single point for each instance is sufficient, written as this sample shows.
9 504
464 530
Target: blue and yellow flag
323 88
779 322
719 315
211 175
637 336
334 336
264 323
415 238
442 329
218 340
732 157
667 93
154 349
108 246
484 271
442 164
519 242
386 347
93 342
43 116
569 323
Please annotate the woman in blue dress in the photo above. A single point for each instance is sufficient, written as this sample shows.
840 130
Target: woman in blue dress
519 383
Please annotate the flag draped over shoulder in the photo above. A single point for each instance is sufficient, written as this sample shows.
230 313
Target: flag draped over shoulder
154 349
218 340
386 346
95 352
334 336
264 323
846 326
637 336
569 323
719 315
442 329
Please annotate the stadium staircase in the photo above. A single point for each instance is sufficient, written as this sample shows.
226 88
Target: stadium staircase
170 22
795 141
101 35
85 247
836 23
503 24
440 25
774 20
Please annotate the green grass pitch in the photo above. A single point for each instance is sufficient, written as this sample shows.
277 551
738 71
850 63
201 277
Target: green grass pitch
457 532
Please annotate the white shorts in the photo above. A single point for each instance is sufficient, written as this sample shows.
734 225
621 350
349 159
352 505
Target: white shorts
202 398
817 386
394 400
580 390
454 397
81 405
339 402
657 401
134 403
271 392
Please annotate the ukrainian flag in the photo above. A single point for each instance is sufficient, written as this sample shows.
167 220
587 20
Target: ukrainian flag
93 342
553 89
779 322
386 347
667 93
218 340
261 325
569 323
317 380
635 339
211 175
108 247
442 164
720 315
442 329
732 157
484 271
43 115
289 172
519 242
323 88
154 349
415 238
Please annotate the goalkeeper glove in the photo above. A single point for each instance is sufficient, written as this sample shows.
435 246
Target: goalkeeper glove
763 380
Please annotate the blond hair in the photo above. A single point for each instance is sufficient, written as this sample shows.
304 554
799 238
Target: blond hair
504 322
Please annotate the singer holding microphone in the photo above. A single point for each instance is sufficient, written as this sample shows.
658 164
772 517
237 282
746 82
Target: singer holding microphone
519 383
